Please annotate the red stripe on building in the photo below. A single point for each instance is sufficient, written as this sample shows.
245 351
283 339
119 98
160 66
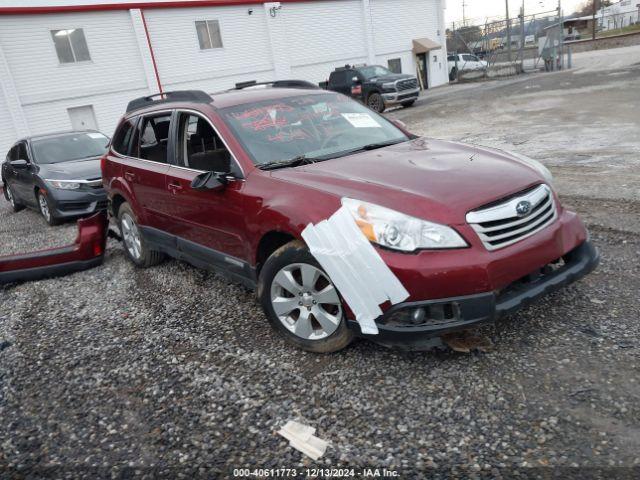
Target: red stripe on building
129 6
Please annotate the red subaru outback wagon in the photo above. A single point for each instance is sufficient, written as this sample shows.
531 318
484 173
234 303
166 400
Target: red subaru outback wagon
230 182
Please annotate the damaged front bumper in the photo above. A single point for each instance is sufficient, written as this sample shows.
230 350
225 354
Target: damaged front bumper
86 252
414 325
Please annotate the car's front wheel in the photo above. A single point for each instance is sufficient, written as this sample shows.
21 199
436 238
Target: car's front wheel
135 246
375 102
8 194
301 302
46 209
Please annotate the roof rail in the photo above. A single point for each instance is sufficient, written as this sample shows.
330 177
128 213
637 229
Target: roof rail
197 96
303 84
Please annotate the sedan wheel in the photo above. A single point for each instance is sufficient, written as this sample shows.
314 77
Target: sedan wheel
12 200
131 236
306 302
44 207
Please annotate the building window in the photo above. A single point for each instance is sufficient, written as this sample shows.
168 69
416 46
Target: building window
209 34
395 65
71 46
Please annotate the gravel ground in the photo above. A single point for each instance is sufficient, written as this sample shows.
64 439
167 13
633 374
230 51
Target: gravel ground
173 371
27 231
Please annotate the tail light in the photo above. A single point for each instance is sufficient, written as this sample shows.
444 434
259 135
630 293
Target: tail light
103 165
356 90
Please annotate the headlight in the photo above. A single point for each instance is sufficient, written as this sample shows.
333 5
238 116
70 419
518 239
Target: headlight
536 165
389 86
64 184
398 231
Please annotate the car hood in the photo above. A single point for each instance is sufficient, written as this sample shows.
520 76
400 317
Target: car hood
79 170
430 179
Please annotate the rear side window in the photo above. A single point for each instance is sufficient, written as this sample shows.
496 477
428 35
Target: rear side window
153 140
338 78
122 138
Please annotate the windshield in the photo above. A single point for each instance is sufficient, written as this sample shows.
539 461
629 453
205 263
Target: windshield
66 148
313 126
374 71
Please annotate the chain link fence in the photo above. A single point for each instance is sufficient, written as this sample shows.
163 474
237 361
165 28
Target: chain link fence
527 42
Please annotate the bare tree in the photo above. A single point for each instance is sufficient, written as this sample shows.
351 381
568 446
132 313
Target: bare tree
586 7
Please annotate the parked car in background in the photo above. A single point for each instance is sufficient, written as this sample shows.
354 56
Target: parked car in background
375 86
57 174
230 181
461 62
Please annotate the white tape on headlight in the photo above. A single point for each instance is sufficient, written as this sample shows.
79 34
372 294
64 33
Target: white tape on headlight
355 267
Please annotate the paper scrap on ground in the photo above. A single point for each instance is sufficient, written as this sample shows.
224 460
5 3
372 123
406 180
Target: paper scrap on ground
301 437
355 267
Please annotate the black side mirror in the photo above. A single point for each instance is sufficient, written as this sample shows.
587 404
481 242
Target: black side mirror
19 164
210 181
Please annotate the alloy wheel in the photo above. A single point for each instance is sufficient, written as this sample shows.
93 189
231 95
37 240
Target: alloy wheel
44 207
12 200
131 236
374 102
306 302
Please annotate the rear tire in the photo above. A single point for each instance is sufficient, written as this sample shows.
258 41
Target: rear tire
46 210
135 246
310 314
10 197
375 102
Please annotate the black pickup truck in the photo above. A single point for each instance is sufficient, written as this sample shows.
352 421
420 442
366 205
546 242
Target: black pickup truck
375 86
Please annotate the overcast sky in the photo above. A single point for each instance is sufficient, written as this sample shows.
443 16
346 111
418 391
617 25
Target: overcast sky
479 10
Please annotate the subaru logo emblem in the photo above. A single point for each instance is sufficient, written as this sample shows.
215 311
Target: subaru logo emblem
523 208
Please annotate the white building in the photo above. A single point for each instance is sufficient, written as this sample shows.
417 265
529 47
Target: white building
76 63
619 15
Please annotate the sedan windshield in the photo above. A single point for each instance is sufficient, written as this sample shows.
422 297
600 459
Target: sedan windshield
315 127
67 148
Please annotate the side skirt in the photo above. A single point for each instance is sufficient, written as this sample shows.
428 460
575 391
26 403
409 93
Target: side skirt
200 256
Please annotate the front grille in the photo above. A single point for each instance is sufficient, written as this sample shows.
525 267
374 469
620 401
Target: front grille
500 225
410 84
71 206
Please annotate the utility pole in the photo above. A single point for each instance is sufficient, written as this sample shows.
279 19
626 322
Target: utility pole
561 18
595 9
508 32
464 13
522 36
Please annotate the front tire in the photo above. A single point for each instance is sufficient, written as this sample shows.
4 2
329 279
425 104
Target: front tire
375 102
8 194
301 302
46 209
135 246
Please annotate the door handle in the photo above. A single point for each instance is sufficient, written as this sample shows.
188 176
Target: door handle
130 176
174 187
